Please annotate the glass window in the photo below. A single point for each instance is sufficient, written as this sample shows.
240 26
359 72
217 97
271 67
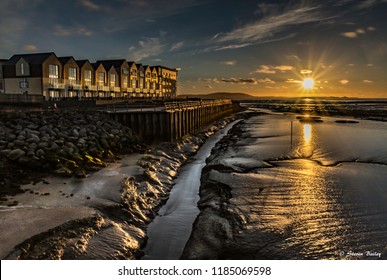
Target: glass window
72 74
87 77
112 80
22 72
53 71
101 78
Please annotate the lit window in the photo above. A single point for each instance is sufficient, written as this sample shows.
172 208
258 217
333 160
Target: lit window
53 71
87 77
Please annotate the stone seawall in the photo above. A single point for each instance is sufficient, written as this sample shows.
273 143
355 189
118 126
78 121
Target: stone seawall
64 143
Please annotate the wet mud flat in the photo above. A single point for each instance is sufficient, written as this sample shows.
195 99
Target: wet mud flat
319 197
102 216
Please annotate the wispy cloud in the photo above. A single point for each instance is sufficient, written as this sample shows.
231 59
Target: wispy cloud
343 82
270 69
368 81
268 26
233 80
147 47
60 30
30 48
90 5
229 62
177 46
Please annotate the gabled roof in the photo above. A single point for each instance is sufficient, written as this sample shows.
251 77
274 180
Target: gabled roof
82 62
97 64
116 63
32 58
65 59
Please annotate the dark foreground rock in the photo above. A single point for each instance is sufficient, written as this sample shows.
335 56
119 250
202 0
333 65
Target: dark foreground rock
63 143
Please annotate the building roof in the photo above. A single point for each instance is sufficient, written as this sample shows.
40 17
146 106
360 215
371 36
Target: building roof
65 59
82 62
116 63
32 58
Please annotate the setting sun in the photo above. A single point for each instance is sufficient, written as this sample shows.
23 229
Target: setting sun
308 83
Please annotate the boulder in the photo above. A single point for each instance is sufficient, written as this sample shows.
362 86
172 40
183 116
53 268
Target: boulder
15 154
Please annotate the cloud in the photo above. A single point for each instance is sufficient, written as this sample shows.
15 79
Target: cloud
368 81
242 81
358 31
284 67
270 69
15 16
343 82
266 27
265 70
229 62
60 30
266 81
177 46
305 71
90 5
30 48
292 81
350 34
147 47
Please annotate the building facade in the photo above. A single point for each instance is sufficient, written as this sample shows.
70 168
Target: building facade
56 78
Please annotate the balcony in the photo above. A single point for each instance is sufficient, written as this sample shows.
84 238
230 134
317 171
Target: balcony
130 90
115 89
90 87
102 88
138 90
53 83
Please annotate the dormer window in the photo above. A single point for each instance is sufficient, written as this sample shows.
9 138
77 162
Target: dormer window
22 71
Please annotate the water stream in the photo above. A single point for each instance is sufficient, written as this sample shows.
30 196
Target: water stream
170 230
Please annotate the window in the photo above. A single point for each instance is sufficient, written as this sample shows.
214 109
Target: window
125 81
134 72
22 71
23 83
101 78
112 80
72 74
53 71
87 77
134 83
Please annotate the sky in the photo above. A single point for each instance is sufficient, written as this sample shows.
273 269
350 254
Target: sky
261 47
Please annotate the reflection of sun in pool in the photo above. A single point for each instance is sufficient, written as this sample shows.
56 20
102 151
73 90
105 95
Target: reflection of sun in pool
308 83
307 133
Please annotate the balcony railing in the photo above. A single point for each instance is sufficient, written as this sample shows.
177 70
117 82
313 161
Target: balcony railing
54 83
102 88
90 87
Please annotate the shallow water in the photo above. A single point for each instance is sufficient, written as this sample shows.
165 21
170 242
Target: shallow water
170 230
324 192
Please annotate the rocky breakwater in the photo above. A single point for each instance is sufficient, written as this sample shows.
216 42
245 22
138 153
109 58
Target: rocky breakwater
64 143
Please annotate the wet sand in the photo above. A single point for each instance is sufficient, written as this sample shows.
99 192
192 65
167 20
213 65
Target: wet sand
320 195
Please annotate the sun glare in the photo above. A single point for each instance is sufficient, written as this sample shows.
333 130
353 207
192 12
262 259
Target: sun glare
308 83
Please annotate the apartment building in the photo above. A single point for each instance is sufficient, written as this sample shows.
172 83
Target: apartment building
56 78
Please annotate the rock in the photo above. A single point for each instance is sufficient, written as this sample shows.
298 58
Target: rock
40 153
83 132
63 172
4 153
15 154
75 133
19 143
